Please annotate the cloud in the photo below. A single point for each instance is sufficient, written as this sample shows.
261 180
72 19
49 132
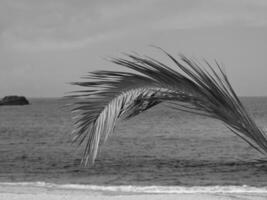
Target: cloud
31 25
216 13
43 44
35 25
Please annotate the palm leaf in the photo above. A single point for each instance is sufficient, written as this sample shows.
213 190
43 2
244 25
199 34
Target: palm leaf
114 95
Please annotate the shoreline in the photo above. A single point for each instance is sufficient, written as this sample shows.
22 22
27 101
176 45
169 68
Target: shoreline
15 191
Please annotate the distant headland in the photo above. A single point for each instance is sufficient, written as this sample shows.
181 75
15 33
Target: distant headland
14 100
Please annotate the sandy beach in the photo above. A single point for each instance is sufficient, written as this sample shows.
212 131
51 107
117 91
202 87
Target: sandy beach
20 192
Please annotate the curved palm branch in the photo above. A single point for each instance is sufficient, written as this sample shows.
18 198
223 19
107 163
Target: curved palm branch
114 95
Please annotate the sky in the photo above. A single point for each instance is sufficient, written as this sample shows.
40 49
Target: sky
45 45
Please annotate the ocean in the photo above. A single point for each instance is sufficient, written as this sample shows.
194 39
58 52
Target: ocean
159 148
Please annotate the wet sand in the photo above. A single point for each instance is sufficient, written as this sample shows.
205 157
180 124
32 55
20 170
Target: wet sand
12 192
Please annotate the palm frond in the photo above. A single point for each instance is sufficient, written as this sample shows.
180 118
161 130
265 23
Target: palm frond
114 95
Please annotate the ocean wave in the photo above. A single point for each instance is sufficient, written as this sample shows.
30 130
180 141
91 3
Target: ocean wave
143 189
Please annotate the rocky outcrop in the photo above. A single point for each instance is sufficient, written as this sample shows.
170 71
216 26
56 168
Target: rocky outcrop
14 100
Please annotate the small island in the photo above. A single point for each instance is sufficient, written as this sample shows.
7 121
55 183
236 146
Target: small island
14 100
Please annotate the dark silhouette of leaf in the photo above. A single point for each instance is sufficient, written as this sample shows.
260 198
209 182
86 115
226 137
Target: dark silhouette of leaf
190 87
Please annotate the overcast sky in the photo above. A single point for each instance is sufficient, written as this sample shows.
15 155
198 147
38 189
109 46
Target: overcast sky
44 44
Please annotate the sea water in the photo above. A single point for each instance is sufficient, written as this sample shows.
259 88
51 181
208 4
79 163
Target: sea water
159 150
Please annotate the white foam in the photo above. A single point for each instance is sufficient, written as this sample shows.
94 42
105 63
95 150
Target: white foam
144 189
